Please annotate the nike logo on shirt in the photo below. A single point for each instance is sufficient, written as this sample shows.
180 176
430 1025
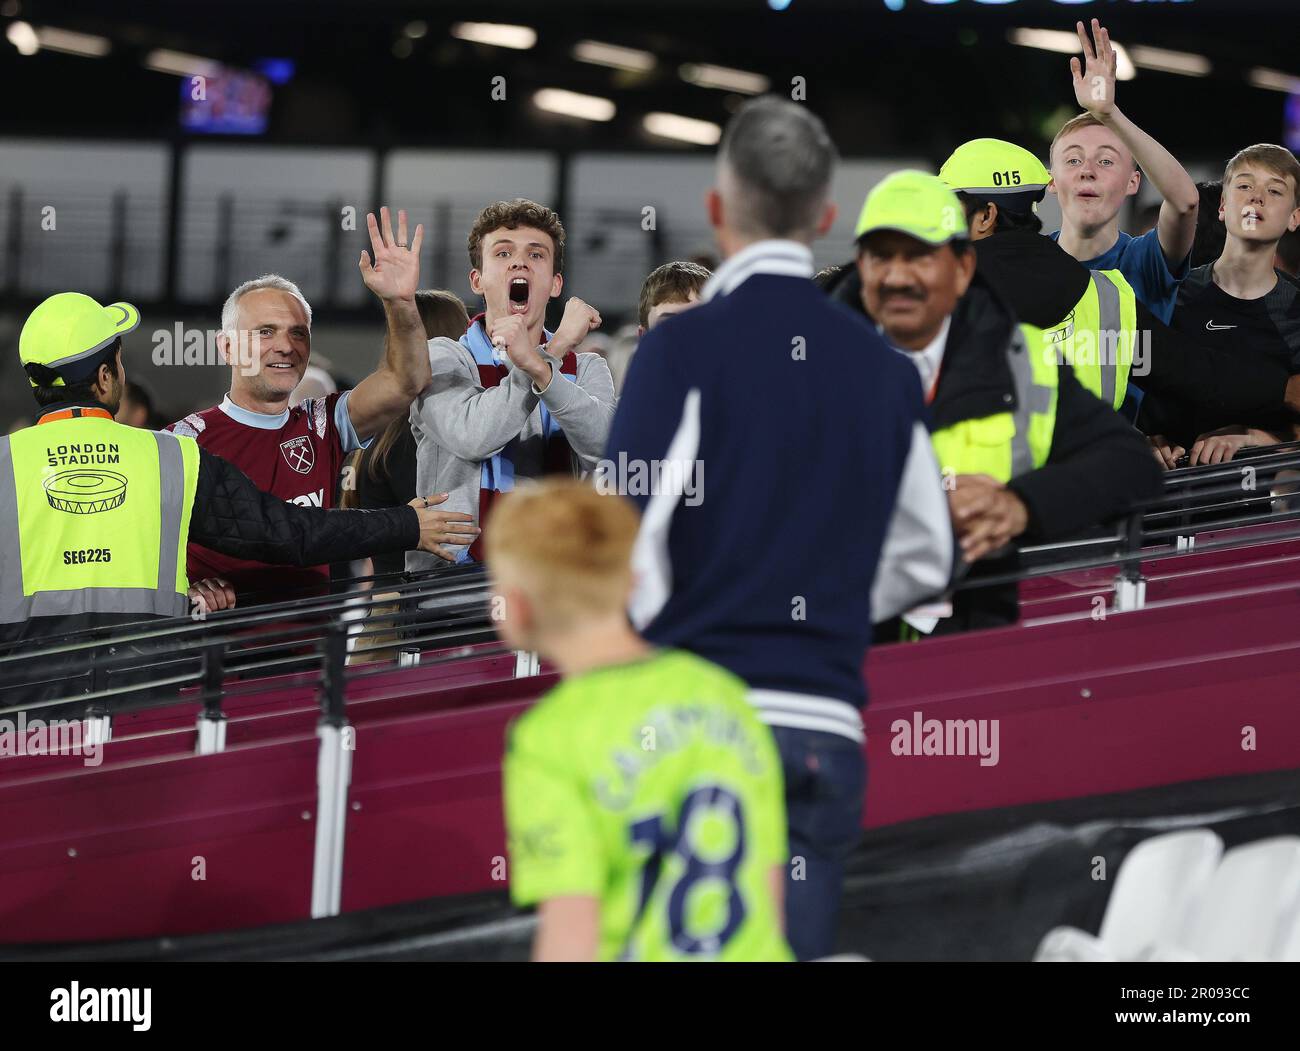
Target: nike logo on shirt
1212 327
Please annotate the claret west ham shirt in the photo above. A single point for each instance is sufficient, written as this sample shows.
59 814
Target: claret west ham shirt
296 455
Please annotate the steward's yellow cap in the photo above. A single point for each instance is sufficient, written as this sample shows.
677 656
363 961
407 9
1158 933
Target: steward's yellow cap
914 203
64 336
993 167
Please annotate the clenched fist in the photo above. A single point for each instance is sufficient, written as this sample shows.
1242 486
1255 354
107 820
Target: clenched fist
579 319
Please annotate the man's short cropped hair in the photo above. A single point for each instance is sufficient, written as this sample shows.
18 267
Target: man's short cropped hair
1083 120
1009 219
511 215
567 546
673 282
1276 159
781 158
230 310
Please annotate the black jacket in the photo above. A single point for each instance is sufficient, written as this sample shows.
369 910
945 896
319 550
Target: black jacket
1042 282
1098 465
230 515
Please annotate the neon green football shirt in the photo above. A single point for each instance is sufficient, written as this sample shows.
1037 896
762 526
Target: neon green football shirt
653 787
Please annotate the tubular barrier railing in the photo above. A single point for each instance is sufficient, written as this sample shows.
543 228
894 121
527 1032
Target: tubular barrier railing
225 654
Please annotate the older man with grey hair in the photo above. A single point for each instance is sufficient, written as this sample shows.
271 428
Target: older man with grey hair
821 508
296 452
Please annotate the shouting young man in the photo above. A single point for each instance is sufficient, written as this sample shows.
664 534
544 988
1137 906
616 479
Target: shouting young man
1095 160
510 400
297 453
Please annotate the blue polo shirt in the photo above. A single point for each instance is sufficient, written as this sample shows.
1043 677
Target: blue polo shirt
1142 262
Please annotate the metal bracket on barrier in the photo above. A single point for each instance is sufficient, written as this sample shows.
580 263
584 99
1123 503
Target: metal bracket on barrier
212 720
97 725
1130 593
527 663
333 778
1186 543
408 657
212 735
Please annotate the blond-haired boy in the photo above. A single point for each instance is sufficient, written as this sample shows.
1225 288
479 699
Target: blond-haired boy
644 799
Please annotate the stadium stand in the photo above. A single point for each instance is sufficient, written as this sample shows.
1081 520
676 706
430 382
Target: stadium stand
228 768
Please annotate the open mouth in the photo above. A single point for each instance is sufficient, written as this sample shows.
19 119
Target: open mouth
518 295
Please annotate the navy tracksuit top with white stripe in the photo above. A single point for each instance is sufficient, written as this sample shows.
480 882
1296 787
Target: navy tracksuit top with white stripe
800 419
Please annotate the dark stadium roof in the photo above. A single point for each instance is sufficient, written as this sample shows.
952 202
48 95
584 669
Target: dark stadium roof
914 80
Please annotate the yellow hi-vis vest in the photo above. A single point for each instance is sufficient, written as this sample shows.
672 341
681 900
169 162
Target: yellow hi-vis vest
1099 335
1008 444
94 518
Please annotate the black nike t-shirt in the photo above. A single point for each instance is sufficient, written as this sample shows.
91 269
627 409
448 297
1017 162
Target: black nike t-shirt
1268 325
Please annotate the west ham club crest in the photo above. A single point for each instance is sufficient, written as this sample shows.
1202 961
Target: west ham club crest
299 454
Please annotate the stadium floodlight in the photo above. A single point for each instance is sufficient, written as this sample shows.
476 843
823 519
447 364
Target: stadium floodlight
703 75
1064 42
70 43
683 129
181 64
497 34
612 55
1273 80
23 37
1165 61
572 104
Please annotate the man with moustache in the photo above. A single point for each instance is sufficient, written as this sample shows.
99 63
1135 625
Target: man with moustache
510 400
1029 456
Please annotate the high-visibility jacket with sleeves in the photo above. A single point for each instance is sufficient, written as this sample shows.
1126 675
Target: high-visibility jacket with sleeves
1098 336
94 518
1007 444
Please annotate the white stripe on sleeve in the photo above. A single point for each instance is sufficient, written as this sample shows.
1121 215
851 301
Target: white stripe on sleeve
650 561
917 557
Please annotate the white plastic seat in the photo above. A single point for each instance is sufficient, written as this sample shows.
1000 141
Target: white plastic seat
1156 891
1071 945
1249 911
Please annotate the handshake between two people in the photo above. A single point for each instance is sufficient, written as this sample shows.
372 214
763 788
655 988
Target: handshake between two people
437 528
986 515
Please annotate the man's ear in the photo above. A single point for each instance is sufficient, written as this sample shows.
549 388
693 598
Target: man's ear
104 379
640 329
827 219
984 222
1134 183
713 207
475 281
1051 185
223 347
557 284
1292 223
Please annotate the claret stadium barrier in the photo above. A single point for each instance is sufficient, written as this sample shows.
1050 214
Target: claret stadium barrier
273 780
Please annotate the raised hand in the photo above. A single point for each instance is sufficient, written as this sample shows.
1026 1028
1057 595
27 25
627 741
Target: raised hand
579 319
395 273
1094 81
511 333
